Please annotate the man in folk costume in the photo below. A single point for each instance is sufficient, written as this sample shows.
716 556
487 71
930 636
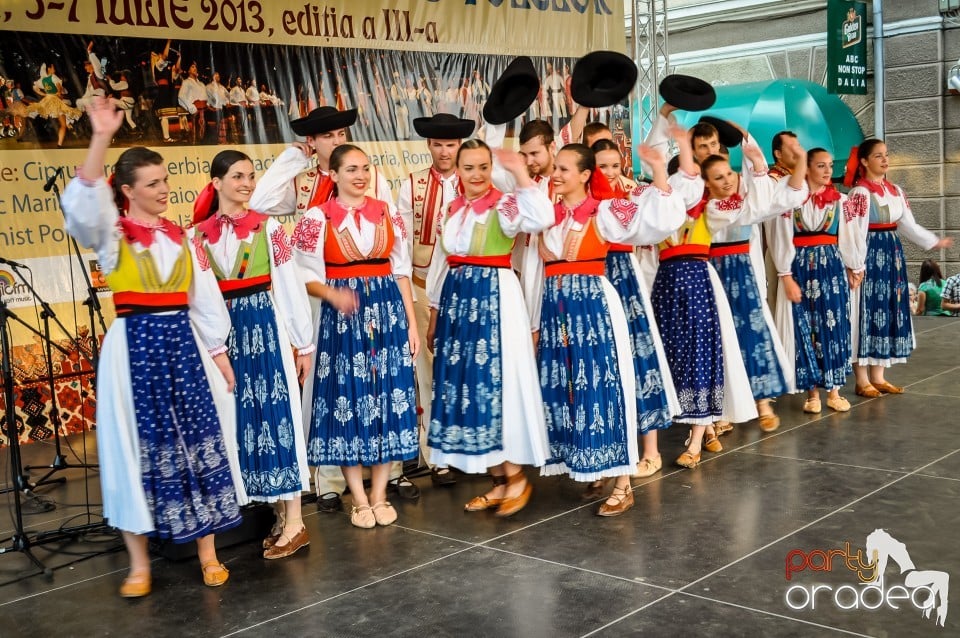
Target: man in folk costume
424 195
299 179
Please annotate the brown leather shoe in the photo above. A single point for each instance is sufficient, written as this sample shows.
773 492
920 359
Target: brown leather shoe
711 443
136 586
482 503
624 501
812 405
838 404
868 391
385 513
648 467
687 459
593 491
214 573
888 388
511 506
300 539
769 422
722 427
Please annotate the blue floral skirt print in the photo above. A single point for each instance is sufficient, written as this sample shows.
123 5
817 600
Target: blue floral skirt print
756 341
821 321
580 378
364 409
653 409
468 396
183 462
886 332
268 458
686 313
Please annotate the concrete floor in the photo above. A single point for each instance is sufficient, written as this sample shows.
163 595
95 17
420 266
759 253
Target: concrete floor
704 552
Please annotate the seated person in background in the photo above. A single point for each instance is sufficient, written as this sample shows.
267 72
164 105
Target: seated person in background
930 292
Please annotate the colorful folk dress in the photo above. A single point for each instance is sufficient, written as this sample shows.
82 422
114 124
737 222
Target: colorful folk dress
656 397
882 331
360 401
487 406
164 468
251 256
813 243
587 375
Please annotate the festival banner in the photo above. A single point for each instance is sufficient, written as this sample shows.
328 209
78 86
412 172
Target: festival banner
253 84
512 27
847 47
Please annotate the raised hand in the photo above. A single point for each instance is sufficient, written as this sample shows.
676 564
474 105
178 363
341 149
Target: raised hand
105 119
651 156
510 160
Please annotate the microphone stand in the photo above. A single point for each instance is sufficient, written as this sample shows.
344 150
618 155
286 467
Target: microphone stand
20 541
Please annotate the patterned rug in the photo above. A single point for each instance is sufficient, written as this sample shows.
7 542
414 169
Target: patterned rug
73 383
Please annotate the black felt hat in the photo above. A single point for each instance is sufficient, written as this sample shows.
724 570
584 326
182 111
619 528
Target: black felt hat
443 126
729 135
687 92
602 78
513 92
322 120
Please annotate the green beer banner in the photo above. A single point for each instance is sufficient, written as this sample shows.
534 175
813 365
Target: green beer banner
847 47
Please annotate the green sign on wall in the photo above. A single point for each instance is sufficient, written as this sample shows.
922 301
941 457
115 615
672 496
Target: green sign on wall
847 47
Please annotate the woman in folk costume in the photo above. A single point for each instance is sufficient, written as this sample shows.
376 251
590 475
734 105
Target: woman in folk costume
251 256
487 408
811 245
360 399
586 366
769 370
656 398
164 468
691 307
882 332
52 105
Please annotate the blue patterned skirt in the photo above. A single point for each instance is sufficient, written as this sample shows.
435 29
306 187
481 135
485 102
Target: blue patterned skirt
580 377
886 332
364 406
821 321
268 457
686 313
468 394
183 462
753 334
653 409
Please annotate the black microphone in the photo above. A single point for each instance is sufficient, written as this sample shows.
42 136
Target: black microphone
53 179
12 263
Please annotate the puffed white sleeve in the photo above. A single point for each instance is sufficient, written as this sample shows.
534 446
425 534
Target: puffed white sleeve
208 311
438 269
527 211
307 241
531 280
405 206
690 187
766 198
780 239
659 137
909 228
289 291
648 217
400 261
275 193
852 234
494 135
91 218
384 193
